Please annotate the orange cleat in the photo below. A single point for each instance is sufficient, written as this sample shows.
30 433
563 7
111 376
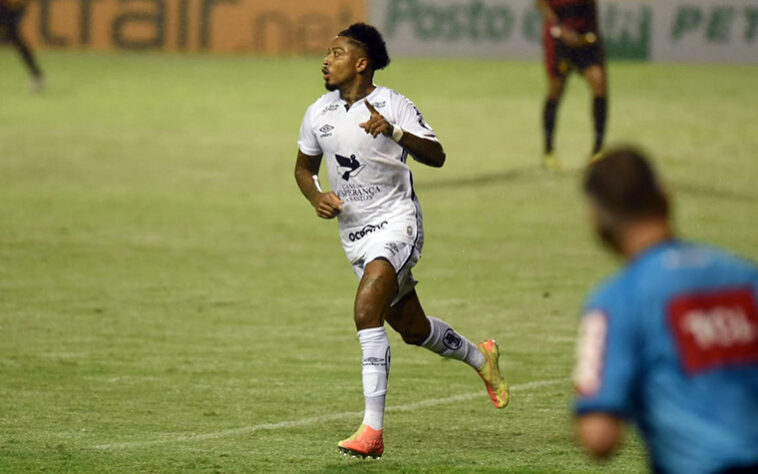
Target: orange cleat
365 443
496 385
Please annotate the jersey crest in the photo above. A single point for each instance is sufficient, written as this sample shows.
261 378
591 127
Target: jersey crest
348 167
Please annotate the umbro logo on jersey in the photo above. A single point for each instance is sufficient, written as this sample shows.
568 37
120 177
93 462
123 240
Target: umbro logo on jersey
325 130
348 167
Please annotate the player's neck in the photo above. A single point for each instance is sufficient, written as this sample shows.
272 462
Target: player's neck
645 234
357 90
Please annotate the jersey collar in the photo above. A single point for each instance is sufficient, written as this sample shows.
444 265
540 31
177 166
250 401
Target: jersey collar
360 101
653 249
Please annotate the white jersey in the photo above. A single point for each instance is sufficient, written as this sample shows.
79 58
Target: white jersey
369 174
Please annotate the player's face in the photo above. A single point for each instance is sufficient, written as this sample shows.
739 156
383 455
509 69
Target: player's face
343 62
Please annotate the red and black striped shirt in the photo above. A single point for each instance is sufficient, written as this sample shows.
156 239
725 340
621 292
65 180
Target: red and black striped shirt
579 15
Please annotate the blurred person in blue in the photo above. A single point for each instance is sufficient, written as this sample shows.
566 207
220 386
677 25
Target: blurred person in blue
671 341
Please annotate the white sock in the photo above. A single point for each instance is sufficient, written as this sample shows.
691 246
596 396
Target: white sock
446 342
376 369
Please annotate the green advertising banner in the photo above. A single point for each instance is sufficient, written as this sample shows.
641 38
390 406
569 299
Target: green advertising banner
626 29
706 30
498 28
664 30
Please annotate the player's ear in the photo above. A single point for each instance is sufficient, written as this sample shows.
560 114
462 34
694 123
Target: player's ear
361 65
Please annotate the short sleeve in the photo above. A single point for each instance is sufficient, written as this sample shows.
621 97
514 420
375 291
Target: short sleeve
607 357
409 118
307 143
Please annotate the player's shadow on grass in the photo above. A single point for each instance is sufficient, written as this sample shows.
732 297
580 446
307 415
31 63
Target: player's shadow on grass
536 173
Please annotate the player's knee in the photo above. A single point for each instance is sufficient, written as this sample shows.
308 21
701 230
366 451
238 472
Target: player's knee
598 88
365 312
555 91
596 80
366 317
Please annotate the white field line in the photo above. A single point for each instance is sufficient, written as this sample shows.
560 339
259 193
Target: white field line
314 420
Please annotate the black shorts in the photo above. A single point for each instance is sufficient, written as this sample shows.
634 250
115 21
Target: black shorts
560 59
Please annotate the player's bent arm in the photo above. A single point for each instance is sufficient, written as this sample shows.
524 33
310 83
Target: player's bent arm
599 433
327 205
428 152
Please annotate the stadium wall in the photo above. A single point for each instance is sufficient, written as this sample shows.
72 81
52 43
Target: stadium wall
705 30
659 30
213 26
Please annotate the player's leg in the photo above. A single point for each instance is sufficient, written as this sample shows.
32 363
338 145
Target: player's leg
408 318
597 80
14 36
556 85
377 288
556 80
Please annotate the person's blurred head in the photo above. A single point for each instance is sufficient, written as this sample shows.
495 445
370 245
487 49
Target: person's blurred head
626 199
356 51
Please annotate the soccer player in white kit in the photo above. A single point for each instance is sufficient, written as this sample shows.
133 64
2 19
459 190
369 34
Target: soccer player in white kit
366 133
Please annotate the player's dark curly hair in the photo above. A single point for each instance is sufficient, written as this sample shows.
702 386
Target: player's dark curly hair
369 38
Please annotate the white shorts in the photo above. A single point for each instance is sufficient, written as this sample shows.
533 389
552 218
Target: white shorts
399 244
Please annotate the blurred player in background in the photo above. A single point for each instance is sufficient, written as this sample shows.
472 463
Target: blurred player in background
671 342
11 13
366 133
572 40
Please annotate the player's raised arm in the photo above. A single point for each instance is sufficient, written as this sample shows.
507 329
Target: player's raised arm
423 150
328 204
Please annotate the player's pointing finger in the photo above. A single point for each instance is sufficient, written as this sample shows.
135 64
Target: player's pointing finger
371 108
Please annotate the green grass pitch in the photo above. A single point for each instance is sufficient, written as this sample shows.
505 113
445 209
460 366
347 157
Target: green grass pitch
169 301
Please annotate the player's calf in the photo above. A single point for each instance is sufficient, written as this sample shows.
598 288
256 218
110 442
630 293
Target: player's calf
413 331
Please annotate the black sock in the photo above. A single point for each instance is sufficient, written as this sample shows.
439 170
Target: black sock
548 123
599 115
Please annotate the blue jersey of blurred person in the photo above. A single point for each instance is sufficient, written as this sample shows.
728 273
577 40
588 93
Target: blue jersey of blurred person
671 341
